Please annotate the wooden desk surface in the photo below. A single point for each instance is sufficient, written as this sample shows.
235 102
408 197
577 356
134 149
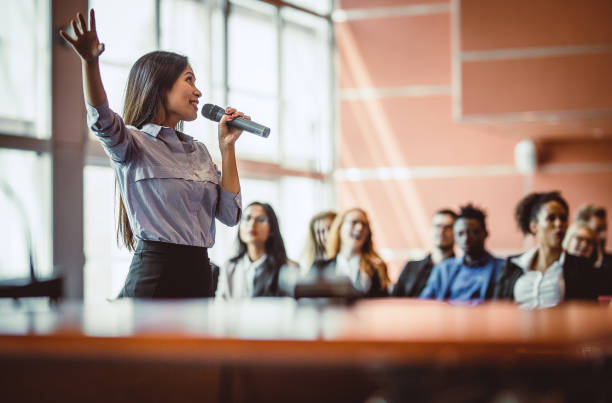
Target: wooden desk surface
370 332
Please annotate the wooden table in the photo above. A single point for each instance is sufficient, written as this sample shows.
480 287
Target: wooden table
280 349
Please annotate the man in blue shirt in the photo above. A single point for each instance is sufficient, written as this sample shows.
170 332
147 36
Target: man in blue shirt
471 276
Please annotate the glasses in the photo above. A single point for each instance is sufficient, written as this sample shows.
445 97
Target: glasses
259 219
580 239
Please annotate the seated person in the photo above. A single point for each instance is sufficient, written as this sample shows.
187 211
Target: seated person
545 275
318 228
596 217
416 272
260 267
471 276
351 254
580 240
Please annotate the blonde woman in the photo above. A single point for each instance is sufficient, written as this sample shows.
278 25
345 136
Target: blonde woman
318 229
350 253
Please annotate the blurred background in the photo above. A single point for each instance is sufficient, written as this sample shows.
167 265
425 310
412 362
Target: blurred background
400 107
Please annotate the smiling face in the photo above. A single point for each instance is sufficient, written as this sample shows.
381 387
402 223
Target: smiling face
255 226
182 99
355 230
550 224
582 243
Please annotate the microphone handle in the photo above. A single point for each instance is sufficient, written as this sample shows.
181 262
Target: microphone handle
250 126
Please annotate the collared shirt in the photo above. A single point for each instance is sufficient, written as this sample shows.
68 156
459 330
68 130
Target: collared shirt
237 279
535 289
454 279
351 268
170 187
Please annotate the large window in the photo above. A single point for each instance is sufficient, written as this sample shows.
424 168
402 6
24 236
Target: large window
25 163
25 200
24 69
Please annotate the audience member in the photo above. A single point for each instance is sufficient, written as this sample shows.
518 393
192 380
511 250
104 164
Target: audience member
545 275
416 272
596 217
260 268
318 228
580 240
351 253
471 276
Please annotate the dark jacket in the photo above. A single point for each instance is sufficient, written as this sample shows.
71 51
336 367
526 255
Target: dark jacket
327 268
265 283
413 278
604 275
578 274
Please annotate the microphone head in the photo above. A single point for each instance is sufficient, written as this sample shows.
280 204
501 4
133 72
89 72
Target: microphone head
213 112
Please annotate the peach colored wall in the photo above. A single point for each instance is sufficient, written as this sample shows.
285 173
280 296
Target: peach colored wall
407 145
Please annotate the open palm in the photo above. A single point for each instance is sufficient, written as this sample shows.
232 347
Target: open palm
86 43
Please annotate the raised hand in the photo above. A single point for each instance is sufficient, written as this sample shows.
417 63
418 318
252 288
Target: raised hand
86 43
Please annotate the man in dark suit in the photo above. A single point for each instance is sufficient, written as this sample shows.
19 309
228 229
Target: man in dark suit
416 272
596 218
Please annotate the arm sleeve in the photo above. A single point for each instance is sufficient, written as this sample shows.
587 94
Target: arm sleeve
229 205
111 130
222 291
399 289
288 278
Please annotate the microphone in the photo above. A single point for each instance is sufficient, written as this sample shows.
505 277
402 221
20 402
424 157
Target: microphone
215 112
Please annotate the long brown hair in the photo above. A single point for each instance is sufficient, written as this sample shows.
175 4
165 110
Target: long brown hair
150 79
370 261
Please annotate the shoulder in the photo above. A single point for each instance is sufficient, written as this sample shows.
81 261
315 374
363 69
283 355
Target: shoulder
449 264
577 263
290 266
231 263
510 269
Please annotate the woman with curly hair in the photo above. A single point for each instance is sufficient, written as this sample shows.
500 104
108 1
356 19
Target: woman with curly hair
545 275
351 253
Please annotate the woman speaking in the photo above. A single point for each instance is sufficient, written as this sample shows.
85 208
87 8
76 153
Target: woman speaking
170 189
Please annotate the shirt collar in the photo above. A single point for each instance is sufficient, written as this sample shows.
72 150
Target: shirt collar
484 259
153 130
256 263
525 260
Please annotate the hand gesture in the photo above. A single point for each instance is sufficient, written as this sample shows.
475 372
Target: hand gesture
86 43
228 134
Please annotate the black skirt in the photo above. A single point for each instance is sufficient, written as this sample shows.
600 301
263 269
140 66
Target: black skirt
165 270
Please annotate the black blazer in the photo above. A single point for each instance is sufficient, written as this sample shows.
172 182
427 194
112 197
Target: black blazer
413 278
604 275
327 267
578 273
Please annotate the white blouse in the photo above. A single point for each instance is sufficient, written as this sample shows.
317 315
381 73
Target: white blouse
535 289
351 268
